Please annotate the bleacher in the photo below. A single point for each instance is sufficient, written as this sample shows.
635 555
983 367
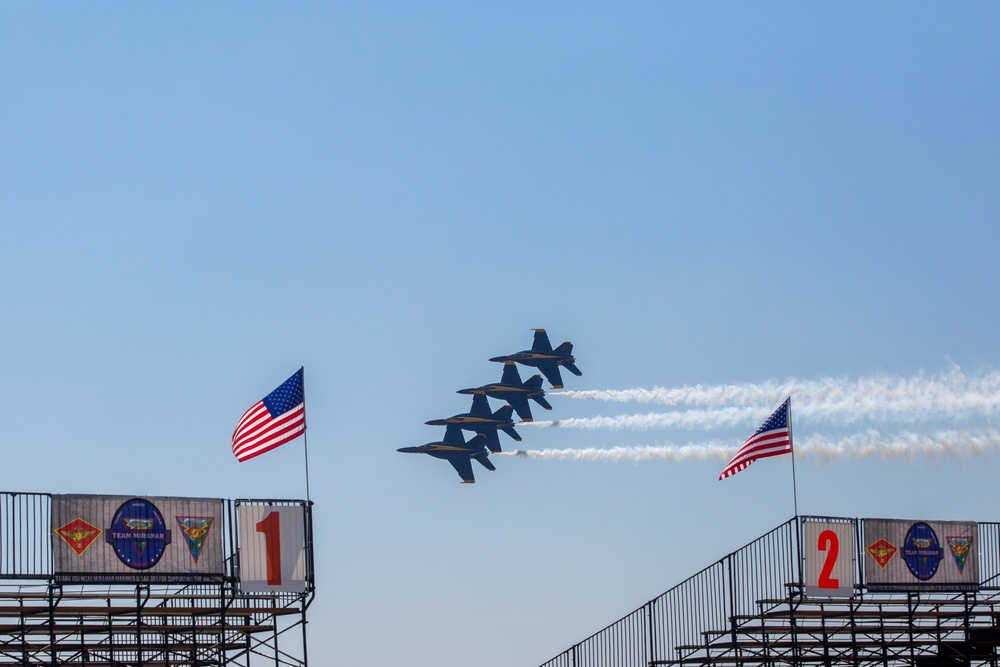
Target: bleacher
755 607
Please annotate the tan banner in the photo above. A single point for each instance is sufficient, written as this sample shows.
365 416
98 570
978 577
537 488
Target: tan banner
902 555
125 539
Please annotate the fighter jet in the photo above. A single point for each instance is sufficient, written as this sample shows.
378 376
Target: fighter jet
544 358
511 389
481 420
456 451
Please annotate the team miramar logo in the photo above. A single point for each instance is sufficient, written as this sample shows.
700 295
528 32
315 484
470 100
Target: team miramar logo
138 534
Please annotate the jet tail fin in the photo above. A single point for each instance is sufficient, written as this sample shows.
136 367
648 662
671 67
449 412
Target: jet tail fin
504 413
565 348
534 382
573 369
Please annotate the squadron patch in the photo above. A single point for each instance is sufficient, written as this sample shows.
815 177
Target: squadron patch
921 551
195 530
138 534
79 535
882 551
960 547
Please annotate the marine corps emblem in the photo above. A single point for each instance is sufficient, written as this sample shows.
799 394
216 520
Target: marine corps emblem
882 551
79 535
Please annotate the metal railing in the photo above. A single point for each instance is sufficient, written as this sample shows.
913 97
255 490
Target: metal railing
765 574
26 536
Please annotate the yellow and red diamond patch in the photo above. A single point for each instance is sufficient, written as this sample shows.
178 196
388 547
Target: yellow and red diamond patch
882 551
79 535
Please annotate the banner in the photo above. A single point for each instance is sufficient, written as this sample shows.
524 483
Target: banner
272 548
123 539
921 555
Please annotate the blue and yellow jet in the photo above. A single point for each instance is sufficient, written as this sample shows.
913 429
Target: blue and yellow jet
511 389
481 420
544 358
456 451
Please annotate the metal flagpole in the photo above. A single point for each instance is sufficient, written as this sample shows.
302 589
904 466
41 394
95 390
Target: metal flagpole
795 494
305 431
791 446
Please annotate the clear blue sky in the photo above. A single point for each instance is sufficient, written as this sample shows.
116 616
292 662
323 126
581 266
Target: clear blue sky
197 199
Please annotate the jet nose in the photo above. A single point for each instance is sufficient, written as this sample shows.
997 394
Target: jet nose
407 450
498 359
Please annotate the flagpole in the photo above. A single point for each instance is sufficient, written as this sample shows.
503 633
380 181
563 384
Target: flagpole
305 431
791 446
795 499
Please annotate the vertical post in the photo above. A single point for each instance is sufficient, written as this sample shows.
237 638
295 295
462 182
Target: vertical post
305 429
52 625
277 653
138 622
305 642
651 624
732 598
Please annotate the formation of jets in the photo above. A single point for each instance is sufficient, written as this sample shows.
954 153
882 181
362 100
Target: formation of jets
485 423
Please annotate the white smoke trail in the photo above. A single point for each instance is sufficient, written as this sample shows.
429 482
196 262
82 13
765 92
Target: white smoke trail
691 419
878 397
956 444
843 414
628 454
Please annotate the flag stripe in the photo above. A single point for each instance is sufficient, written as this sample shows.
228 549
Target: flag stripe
277 428
279 432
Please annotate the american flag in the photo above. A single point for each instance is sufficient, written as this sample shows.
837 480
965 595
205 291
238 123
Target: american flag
773 438
272 421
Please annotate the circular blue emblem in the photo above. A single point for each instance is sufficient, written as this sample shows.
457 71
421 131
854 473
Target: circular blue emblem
138 534
921 551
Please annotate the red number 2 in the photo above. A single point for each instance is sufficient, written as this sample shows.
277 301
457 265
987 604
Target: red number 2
271 527
828 542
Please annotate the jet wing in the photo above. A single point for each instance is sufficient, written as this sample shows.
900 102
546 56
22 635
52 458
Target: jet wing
463 466
521 407
551 373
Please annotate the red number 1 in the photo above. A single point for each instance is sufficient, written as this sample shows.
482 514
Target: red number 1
828 542
271 527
